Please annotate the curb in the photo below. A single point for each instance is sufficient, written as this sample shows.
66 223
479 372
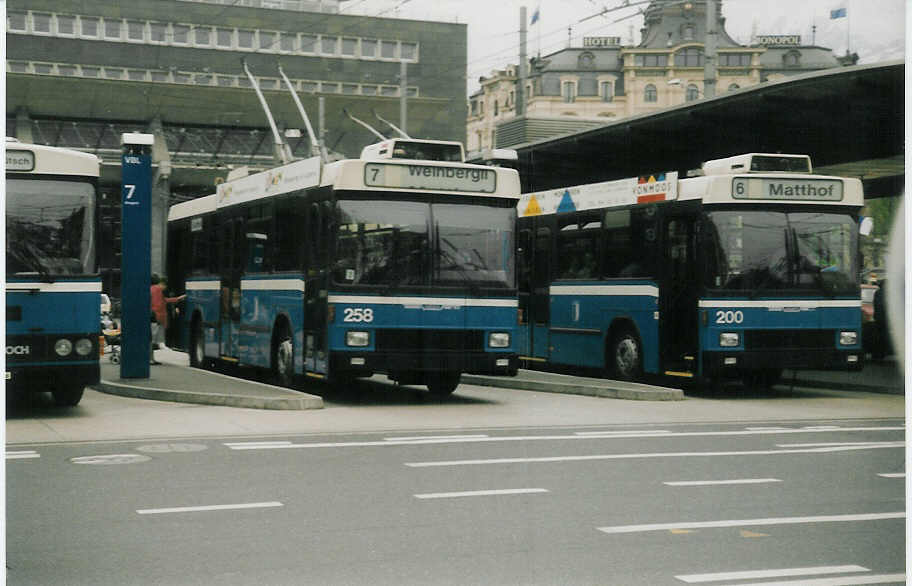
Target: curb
607 389
220 399
839 386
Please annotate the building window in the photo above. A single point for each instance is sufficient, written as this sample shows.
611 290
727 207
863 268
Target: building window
310 87
388 49
66 24
651 60
225 81
689 57
41 22
389 91
733 87
18 66
693 93
202 36
688 32
223 37
181 33
89 26
202 79
160 76
180 77
329 87
90 71
136 74
288 42
42 68
349 46
245 39
735 60
369 90
68 70
568 91
328 45
349 88
606 91
268 83
112 29
368 48
792 59
650 94
308 43
409 51
158 32
496 108
16 21
268 40
114 73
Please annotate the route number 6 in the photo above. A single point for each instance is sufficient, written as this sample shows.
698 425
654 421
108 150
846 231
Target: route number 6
729 317
358 314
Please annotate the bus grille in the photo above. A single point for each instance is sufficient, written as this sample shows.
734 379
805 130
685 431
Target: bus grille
789 339
390 340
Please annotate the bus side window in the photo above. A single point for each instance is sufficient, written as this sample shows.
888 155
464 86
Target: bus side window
577 248
314 238
259 239
291 235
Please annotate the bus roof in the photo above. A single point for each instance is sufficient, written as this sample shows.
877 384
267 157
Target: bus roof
24 157
194 207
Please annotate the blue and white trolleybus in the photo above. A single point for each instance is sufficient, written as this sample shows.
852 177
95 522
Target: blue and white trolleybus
742 271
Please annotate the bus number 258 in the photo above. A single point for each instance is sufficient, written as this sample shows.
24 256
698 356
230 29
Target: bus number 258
358 314
729 317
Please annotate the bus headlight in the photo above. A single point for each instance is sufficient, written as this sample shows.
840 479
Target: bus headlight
499 340
63 347
848 338
729 339
355 338
83 347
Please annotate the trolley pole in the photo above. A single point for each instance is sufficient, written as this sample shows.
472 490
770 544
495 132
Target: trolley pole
136 214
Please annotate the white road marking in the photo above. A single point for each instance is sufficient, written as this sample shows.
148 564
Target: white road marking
752 522
516 438
446 495
433 437
718 482
767 428
209 508
616 433
759 574
647 455
840 581
22 455
893 475
821 445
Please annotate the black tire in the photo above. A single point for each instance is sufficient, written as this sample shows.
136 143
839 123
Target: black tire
441 385
283 357
197 348
625 358
68 396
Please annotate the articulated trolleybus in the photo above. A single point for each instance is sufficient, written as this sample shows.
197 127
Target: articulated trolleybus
740 272
400 262
53 290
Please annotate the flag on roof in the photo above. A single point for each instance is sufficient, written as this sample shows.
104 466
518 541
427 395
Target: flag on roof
838 13
535 15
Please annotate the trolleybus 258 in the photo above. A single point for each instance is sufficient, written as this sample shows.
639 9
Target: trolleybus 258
400 262
53 289
743 271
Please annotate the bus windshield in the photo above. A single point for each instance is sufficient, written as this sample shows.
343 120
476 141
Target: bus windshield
49 227
417 243
761 252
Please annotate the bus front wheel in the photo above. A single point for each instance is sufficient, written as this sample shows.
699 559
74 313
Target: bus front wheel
68 396
441 385
626 359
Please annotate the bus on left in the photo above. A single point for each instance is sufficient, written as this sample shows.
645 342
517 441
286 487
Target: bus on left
53 289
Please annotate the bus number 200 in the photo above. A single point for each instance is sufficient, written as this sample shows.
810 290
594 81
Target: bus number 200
358 314
729 317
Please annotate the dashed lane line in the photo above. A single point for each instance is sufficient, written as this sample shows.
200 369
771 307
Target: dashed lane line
209 508
722 482
23 455
778 573
751 522
470 493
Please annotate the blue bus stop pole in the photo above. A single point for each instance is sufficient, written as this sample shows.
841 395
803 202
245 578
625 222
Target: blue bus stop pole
136 254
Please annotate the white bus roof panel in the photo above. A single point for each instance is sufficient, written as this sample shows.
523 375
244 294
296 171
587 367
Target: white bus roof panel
773 188
608 194
285 179
194 207
41 159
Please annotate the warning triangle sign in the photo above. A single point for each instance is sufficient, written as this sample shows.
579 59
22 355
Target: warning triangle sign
533 209
566 204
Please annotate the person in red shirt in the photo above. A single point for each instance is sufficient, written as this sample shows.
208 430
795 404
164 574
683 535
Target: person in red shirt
159 305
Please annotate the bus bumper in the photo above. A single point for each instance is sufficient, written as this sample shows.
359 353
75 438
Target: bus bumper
367 363
35 379
730 364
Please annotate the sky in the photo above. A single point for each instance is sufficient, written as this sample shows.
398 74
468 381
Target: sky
875 29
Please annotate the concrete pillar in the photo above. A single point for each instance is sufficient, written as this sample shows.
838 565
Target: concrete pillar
160 197
23 125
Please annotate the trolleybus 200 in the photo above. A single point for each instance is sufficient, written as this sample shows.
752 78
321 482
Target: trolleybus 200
400 262
53 290
742 271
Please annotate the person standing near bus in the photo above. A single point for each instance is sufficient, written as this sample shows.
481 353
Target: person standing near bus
159 306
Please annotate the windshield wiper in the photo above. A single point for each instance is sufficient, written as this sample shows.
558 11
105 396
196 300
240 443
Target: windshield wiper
474 287
27 257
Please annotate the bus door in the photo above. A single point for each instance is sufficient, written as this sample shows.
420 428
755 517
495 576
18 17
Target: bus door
232 255
678 297
540 301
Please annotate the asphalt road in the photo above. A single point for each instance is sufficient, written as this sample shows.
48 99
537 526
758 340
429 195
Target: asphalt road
780 497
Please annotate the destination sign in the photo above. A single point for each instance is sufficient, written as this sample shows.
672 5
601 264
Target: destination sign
20 160
787 189
774 40
430 177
